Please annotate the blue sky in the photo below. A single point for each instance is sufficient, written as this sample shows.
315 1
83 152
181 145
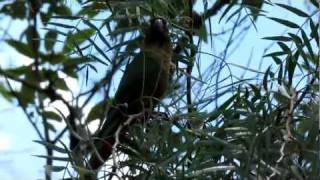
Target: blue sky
16 133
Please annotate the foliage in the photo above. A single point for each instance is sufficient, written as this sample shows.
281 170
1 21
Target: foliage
210 125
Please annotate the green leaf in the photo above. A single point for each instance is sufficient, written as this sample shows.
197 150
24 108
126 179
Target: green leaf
296 39
265 79
66 17
77 38
72 72
52 146
256 89
54 168
5 93
92 67
291 65
278 53
61 10
226 11
304 56
61 84
215 114
95 58
53 58
202 33
20 70
50 126
21 47
32 38
307 43
314 32
232 15
57 31
50 39
45 18
61 25
55 158
293 9
26 95
282 96
70 66
98 111
280 74
276 59
254 6
98 31
73 62
52 115
278 38
284 47
315 3
16 10
285 22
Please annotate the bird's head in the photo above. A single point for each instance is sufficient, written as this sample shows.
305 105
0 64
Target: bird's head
159 26
157 32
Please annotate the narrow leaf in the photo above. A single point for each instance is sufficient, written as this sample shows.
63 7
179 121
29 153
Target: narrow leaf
65 159
222 108
278 53
52 146
278 38
314 32
285 22
280 74
307 43
21 47
55 168
265 79
51 115
62 25
284 47
294 10
50 39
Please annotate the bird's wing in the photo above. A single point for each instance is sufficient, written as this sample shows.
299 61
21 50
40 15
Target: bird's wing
139 79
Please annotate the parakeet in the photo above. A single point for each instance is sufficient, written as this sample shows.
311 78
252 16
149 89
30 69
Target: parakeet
143 84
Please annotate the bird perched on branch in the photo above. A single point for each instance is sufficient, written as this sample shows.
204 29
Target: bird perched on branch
143 84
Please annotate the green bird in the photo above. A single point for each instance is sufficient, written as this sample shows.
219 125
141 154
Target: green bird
143 84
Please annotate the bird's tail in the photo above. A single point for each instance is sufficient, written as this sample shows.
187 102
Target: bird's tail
105 139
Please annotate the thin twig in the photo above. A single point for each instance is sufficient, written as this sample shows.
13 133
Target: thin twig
190 64
117 138
24 109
